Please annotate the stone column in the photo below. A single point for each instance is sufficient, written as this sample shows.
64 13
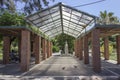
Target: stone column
96 62
25 50
86 52
118 48
6 49
106 48
37 49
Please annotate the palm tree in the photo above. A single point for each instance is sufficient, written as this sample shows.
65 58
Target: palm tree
108 18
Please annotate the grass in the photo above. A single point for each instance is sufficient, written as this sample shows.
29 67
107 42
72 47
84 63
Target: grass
113 56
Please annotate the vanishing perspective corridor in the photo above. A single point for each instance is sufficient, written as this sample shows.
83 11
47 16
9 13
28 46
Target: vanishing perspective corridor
60 67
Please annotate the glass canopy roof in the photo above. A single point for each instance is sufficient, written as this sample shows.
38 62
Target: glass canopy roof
59 19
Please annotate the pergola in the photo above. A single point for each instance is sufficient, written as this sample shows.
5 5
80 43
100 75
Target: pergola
29 42
59 19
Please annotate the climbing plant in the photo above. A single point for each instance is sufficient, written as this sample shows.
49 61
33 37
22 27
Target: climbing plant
8 19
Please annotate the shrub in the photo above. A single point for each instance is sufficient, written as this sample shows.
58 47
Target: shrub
55 49
110 48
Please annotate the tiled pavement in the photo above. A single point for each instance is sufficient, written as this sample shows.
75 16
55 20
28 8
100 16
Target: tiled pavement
61 68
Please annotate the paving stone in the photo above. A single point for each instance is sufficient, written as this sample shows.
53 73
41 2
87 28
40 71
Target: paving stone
52 69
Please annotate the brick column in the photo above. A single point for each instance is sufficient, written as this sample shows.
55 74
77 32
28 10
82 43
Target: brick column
96 62
25 50
42 43
33 44
86 52
48 49
19 48
80 48
6 49
75 47
44 49
37 49
106 48
118 48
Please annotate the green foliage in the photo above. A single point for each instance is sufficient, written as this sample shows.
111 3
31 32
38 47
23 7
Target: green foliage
112 52
14 44
110 48
29 6
113 56
17 19
108 18
55 49
8 19
34 5
60 42
1 56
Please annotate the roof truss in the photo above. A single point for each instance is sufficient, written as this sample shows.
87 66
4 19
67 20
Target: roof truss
61 19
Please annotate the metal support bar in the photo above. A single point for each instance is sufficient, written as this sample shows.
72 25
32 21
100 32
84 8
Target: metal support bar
61 16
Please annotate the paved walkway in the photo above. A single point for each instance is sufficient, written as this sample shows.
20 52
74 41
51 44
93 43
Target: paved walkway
61 68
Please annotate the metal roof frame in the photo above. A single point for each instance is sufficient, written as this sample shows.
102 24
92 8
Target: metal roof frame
59 19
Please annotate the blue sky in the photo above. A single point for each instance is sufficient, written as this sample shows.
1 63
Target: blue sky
109 5
94 9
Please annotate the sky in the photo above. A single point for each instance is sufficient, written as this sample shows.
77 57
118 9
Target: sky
94 9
